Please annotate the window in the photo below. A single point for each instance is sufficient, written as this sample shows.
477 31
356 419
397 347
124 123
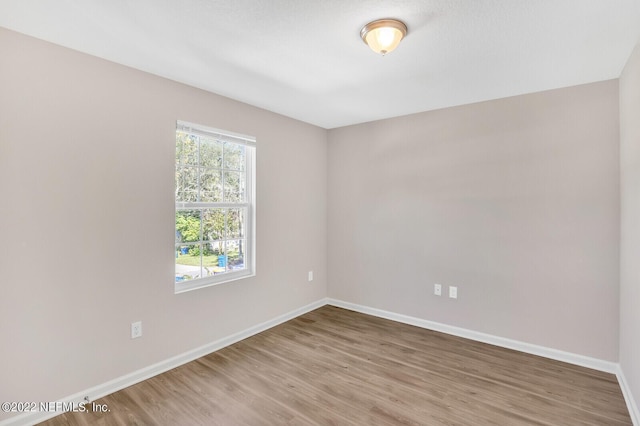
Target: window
215 210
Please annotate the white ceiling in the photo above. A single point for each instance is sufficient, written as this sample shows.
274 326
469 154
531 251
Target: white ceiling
305 59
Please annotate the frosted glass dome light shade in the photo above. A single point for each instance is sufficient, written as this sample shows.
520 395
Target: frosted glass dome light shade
383 35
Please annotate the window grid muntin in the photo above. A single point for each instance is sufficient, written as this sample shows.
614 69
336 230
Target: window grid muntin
246 235
226 236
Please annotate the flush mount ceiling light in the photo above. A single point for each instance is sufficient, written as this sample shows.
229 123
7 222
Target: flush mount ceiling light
383 35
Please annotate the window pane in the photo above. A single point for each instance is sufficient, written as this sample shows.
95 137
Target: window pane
216 263
187 226
234 156
235 223
208 271
213 226
188 262
235 254
210 258
211 235
179 148
186 184
234 186
211 183
186 149
210 153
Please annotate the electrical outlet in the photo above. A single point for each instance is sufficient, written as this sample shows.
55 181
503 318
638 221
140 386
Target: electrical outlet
453 292
437 289
136 329
310 275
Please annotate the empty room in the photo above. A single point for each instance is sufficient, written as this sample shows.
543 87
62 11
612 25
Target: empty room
362 212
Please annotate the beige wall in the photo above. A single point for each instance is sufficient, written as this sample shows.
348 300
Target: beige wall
514 201
630 223
86 177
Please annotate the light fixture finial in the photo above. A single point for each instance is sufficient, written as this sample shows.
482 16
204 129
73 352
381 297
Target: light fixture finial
383 35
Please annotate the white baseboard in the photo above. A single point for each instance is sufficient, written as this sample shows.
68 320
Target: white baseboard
166 365
584 361
127 380
571 358
628 397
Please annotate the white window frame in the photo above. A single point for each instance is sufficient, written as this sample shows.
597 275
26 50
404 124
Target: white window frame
250 204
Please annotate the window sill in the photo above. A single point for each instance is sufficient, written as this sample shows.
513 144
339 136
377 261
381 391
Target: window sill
185 286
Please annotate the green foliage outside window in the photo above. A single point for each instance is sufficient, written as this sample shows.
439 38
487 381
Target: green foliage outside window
209 170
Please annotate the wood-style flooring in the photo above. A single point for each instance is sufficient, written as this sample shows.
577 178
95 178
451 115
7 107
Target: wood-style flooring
337 367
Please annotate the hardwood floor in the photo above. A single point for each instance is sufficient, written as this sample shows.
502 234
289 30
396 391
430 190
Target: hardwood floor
337 367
